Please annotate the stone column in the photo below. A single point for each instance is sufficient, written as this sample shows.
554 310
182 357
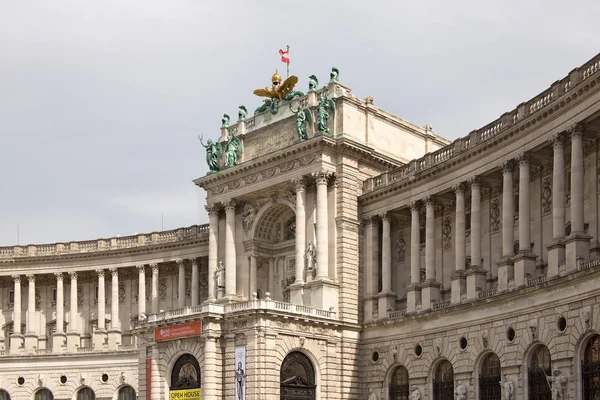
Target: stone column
154 289
322 178
114 333
252 286
556 250
16 339
59 337
210 379
525 260
31 307
387 298
475 274
141 289
578 242
195 283
371 270
592 183
73 335
431 288
458 277
505 266
270 287
213 238
296 287
413 291
181 283
230 257
100 335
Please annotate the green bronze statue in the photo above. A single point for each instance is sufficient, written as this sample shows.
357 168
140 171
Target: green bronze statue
325 109
313 83
225 121
294 94
334 75
302 118
272 105
242 113
233 148
213 154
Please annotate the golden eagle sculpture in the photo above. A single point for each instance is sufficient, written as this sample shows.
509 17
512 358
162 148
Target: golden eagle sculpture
278 90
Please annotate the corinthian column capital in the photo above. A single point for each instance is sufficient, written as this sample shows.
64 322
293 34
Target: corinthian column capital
507 166
114 271
557 140
59 276
576 130
459 188
31 278
16 278
523 159
73 276
154 267
322 176
299 183
141 268
100 273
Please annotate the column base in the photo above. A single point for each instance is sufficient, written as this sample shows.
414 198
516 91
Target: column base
73 341
524 267
413 297
59 342
505 273
430 293
323 294
100 339
577 248
16 343
475 281
220 293
296 293
387 302
114 338
458 286
370 309
31 341
556 257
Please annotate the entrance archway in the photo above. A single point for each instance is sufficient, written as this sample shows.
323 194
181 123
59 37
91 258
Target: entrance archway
590 369
443 381
399 384
185 373
540 366
297 378
490 377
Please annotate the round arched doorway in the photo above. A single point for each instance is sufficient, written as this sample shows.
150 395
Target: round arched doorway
540 367
185 373
443 381
399 384
490 377
297 378
590 369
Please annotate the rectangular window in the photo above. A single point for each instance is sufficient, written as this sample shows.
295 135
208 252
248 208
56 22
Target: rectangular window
468 221
11 297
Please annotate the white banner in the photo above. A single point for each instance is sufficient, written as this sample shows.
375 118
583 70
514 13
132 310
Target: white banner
240 373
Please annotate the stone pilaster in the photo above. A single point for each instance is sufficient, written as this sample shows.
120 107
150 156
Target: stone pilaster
296 288
556 250
210 381
252 287
413 291
387 298
114 333
16 338
31 339
59 337
431 288
73 335
578 243
195 283
505 265
524 261
101 334
458 277
180 283
322 179
230 257
371 276
476 274
141 289
213 238
154 287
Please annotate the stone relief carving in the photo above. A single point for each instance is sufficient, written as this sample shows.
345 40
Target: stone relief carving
586 319
447 231
79 297
495 215
400 247
460 391
546 195
415 394
248 217
509 388
121 293
557 382
162 288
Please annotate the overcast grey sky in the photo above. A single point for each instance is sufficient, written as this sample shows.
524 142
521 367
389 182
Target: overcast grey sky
101 102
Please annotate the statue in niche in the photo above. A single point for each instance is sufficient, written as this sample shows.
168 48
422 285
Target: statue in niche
225 121
557 382
213 153
372 395
311 259
242 113
248 217
509 388
313 83
325 109
302 117
414 393
233 147
460 391
334 76
220 275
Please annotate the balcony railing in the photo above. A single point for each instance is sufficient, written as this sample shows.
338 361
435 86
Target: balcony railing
147 239
524 110
595 262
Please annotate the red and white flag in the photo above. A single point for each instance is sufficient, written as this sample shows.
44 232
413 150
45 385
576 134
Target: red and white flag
285 55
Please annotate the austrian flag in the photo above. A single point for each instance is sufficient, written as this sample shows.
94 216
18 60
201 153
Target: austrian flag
285 55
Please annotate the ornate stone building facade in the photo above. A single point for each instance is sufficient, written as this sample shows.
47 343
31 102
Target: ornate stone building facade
353 256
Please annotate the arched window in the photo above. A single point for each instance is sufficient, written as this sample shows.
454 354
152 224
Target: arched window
297 378
186 373
399 384
4 395
44 394
86 394
489 378
443 381
590 369
127 393
539 368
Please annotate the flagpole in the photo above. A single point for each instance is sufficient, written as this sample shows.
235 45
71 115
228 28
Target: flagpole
288 63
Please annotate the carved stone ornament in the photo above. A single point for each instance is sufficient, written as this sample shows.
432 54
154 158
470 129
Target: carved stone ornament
495 215
546 194
400 247
447 231
248 216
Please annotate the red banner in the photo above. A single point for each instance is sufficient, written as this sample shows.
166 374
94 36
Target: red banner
176 331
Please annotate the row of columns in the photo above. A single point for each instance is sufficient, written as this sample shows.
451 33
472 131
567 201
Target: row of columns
511 266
